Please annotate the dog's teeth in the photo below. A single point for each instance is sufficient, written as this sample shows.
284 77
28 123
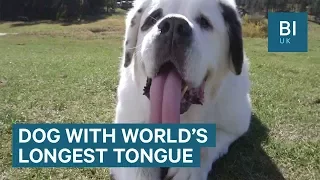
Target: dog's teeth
184 90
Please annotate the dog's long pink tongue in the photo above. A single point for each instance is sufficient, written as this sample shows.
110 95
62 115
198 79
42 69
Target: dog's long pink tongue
165 96
171 99
156 96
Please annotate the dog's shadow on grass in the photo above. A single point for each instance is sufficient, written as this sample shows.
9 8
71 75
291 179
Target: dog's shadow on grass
246 160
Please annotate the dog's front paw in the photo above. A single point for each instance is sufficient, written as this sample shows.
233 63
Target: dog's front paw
186 174
135 173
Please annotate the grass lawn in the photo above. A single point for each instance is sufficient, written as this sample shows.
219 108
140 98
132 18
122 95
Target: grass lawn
58 73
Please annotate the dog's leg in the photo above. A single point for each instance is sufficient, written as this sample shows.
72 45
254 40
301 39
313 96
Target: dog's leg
135 173
208 156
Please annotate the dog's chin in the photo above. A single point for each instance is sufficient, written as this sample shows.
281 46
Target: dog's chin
189 95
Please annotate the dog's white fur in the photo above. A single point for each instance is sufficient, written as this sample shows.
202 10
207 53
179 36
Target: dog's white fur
226 102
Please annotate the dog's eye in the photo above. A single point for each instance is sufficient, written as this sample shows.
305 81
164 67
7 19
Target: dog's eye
152 19
204 22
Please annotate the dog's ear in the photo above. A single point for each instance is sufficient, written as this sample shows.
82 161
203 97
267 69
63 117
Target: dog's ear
233 22
132 29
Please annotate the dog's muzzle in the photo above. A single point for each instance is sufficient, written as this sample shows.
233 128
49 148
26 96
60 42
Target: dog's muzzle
176 29
172 45
173 42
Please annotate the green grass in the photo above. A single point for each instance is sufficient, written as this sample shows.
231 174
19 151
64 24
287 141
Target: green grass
57 74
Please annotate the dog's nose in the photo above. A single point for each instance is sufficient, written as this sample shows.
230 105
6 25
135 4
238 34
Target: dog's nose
176 27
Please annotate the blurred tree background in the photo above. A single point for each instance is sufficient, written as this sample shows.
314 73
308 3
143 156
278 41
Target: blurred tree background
75 9
53 9
265 6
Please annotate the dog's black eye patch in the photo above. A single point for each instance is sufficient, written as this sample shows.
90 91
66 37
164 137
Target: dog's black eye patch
204 22
152 19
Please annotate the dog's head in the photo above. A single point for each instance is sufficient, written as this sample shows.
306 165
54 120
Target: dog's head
201 39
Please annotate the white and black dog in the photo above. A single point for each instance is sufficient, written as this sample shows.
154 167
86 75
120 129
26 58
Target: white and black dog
183 61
